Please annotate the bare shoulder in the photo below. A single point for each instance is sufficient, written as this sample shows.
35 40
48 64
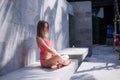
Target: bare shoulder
38 38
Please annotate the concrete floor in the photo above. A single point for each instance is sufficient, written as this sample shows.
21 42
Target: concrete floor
103 65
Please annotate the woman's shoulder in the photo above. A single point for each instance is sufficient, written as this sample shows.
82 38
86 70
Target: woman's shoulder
46 39
41 39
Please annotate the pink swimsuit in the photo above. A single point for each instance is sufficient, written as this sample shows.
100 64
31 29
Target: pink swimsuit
42 50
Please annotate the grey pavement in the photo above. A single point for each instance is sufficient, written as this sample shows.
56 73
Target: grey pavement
103 65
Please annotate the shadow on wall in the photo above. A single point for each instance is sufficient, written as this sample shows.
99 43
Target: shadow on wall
57 18
65 28
16 53
51 19
17 39
5 8
4 12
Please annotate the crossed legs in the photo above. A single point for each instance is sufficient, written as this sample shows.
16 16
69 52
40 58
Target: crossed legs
57 61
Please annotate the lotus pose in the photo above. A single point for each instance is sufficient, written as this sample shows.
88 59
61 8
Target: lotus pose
48 56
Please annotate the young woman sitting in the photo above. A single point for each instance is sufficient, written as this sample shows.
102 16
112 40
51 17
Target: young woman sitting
48 56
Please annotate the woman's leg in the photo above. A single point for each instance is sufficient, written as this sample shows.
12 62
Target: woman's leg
52 61
66 59
57 60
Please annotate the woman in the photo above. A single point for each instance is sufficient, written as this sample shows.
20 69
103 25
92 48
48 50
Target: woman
48 56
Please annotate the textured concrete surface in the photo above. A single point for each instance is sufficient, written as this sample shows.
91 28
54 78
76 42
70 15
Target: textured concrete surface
81 25
35 72
103 65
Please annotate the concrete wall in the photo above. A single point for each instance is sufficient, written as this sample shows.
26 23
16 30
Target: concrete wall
81 25
18 19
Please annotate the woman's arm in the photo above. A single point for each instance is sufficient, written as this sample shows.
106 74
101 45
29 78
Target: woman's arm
41 42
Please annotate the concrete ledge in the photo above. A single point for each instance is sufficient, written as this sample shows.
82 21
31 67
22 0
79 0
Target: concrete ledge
76 53
35 72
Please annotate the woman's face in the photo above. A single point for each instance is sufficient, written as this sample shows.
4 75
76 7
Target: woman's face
46 28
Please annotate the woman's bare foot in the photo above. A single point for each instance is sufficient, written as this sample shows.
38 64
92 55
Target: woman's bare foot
56 66
67 62
65 57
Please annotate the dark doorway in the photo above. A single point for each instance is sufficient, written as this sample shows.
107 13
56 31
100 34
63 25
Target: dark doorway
103 24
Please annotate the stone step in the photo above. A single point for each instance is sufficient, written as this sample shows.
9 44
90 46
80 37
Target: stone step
35 72
75 53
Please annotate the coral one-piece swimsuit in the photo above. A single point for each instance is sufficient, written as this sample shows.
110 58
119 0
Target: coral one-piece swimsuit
42 50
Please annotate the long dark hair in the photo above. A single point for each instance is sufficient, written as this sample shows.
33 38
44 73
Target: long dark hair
40 28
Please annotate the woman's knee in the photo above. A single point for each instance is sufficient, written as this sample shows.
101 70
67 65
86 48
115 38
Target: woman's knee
57 57
65 57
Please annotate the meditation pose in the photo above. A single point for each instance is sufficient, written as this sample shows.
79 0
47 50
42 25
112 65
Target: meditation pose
49 58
